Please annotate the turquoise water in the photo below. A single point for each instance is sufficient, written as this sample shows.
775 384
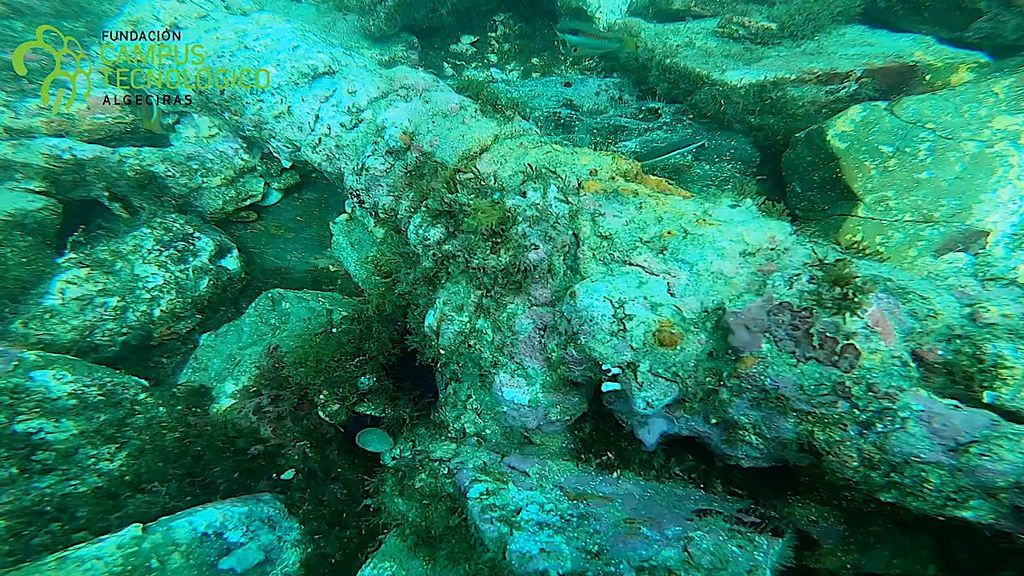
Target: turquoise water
573 287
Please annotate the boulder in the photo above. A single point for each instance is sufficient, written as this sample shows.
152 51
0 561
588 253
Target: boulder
118 292
280 326
547 517
922 179
775 91
73 431
201 168
248 535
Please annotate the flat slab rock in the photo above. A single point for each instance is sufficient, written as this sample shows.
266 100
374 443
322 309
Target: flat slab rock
245 536
230 358
130 290
922 178
70 428
549 517
790 86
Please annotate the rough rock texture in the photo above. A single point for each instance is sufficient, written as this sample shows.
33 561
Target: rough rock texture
921 178
531 273
205 170
287 323
605 114
649 308
29 225
248 536
397 558
776 91
932 184
993 25
603 12
148 285
70 429
547 517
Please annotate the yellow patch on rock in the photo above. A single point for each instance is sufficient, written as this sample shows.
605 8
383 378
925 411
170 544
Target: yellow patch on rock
663 185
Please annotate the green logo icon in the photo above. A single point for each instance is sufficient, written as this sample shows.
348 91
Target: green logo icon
69 54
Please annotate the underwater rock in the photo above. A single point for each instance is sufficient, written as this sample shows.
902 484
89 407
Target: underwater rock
671 283
604 114
647 306
603 12
248 536
776 91
925 179
29 226
280 326
72 431
931 184
547 517
397 558
208 177
522 266
934 456
114 293
993 25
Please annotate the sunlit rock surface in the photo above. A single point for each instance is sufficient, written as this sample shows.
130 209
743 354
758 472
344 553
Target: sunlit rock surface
777 90
121 292
249 536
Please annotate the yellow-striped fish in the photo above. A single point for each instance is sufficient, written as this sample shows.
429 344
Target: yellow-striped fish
586 39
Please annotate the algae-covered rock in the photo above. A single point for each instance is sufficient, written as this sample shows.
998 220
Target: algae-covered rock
549 517
651 317
397 557
603 12
206 170
71 431
249 536
116 292
289 324
29 224
920 179
530 273
993 25
931 185
605 114
776 91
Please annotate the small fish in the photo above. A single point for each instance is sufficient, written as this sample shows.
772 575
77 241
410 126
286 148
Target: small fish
968 240
151 118
586 39
667 151
148 110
